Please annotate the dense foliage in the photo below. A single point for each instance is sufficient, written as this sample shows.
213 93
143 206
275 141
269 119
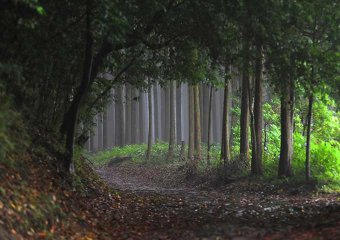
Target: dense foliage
55 60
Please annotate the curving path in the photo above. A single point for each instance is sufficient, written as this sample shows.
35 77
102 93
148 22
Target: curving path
246 209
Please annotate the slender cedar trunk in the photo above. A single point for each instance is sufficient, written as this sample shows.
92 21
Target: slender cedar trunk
71 119
167 114
91 143
128 115
179 114
156 100
163 115
111 119
225 148
252 125
137 115
120 123
191 124
88 143
142 117
256 164
150 121
172 122
309 130
244 121
133 116
210 124
197 122
100 131
205 117
309 127
105 129
201 104
285 162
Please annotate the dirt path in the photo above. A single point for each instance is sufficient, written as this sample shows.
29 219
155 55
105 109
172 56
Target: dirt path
242 210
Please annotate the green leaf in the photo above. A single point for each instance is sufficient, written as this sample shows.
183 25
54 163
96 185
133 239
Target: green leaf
41 10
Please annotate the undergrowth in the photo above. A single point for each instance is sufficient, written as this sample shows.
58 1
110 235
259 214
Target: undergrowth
39 202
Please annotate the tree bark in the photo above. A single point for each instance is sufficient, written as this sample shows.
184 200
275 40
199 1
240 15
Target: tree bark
100 131
244 121
205 117
167 114
309 130
285 162
179 114
256 164
120 123
225 148
157 119
128 114
197 122
191 124
134 118
210 124
142 117
150 122
172 122
70 120
163 115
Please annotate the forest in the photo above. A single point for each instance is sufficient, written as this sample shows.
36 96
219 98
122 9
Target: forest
169 119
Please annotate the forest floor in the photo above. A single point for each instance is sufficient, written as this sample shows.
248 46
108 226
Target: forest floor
166 204
132 201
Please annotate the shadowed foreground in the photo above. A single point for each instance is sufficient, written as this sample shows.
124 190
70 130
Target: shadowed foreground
247 209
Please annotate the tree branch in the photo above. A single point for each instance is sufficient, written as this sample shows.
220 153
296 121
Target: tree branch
114 81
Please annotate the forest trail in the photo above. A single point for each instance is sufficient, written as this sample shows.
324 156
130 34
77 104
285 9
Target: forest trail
241 210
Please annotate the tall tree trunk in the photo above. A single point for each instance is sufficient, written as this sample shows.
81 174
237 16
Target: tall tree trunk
244 138
216 117
150 121
163 115
172 122
205 117
197 122
225 148
91 143
210 124
120 123
256 163
309 126
179 114
128 115
100 131
142 117
191 124
167 114
285 162
201 103
157 119
70 120
88 143
111 121
134 118
309 130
